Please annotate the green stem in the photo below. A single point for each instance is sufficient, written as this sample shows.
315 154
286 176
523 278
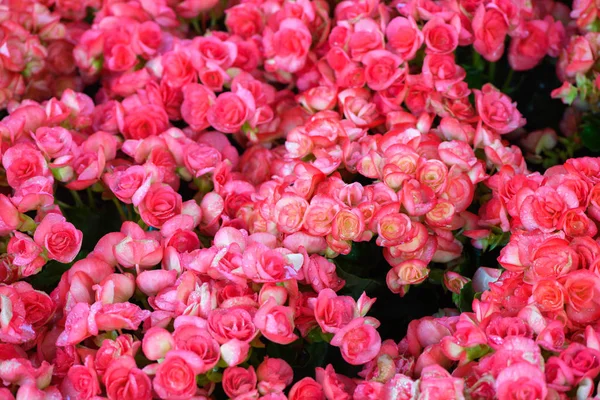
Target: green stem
477 61
63 204
196 25
492 73
119 209
214 18
138 295
507 81
91 200
77 198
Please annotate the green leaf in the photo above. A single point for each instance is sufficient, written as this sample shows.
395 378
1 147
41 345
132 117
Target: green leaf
315 335
475 352
214 375
303 357
49 276
363 269
94 223
355 285
590 132
436 276
365 255
498 240
475 76
464 300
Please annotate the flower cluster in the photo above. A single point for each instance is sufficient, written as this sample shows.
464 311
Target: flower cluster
577 65
37 41
553 249
217 301
533 332
208 310
245 152
491 353
424 180
363 58
424 174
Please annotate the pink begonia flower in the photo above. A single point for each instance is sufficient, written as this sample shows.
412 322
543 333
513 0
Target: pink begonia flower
521 378
138 248
59 238
157 342
274 375
238 381
359 341
276 322
123 378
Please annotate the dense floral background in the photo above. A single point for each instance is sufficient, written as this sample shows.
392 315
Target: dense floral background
299 199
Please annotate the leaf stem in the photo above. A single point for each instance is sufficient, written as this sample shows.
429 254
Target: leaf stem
143 225
77 198
91 200
477 61
492 72
119 209
62 204
507 81
196 25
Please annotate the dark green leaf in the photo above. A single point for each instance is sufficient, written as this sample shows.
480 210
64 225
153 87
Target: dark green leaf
355 285
464 300
364 255
475 76
94 223
436 276
303 357
590 132
49 276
